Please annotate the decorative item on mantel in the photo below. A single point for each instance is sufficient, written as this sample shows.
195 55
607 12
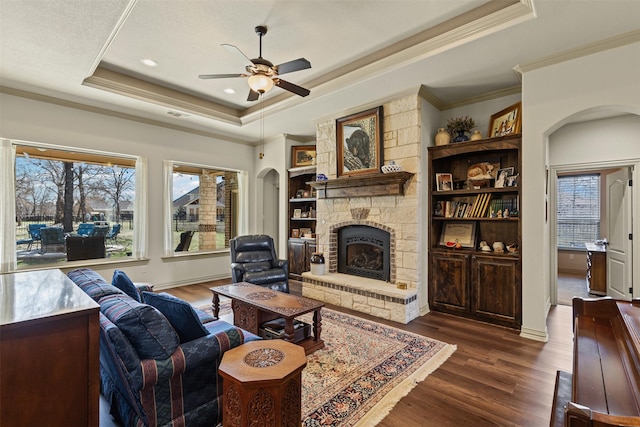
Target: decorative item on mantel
321 177
442 137
460 125
476 135
391 167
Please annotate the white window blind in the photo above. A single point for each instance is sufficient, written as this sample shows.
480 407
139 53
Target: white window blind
578 210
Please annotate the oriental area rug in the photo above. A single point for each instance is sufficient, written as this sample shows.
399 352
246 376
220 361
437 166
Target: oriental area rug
363 371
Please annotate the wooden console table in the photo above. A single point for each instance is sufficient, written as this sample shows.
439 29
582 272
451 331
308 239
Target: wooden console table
49 351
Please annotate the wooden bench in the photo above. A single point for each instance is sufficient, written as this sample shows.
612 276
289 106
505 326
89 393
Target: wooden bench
605 385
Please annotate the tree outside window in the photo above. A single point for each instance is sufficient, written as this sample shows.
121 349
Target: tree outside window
62 189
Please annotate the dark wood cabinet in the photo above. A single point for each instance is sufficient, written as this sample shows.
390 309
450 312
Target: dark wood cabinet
450 281
300 251
496 289
464 279
302 220
49 351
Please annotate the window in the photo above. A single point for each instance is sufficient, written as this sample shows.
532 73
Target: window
74 205
204 207
578 210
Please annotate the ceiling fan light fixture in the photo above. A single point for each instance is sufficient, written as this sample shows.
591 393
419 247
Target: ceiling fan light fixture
260 83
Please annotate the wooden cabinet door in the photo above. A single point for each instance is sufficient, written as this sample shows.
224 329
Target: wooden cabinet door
297 256
310 249
449 288
496 289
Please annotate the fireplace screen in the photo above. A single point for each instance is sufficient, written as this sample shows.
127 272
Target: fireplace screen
364 251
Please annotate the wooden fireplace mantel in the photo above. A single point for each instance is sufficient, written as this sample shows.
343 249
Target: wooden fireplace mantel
382 184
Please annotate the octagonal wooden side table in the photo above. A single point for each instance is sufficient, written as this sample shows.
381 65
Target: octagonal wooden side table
262 384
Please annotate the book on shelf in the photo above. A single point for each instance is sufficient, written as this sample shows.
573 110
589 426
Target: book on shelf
504 207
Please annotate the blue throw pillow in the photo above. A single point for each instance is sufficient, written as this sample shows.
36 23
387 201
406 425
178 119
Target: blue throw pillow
121 281
180 314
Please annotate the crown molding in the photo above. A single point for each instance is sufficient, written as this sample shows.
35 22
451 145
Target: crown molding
103 111
428 96
115 82
588 49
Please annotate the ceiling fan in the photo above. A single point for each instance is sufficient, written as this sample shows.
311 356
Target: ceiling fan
262 74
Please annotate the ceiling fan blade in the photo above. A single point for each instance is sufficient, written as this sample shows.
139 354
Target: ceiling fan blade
238 54
291 87
253 95
291 66
220 76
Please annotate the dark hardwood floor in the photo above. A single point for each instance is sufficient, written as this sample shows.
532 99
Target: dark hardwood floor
495 377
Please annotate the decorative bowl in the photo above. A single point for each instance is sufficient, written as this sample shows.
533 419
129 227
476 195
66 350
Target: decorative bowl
391 167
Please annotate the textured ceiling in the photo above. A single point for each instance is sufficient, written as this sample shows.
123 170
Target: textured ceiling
361 52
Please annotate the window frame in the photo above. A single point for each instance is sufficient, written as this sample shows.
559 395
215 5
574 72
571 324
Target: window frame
559 217
45 151
170 166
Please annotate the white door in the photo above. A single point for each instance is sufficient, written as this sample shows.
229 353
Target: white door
619 229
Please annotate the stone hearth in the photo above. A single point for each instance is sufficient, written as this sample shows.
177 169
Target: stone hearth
361 294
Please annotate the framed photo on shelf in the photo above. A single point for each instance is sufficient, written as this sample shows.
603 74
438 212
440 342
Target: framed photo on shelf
512 181
359 143
297 213
506 122
444 182
295 232
463 233
502 175
305 232
303 155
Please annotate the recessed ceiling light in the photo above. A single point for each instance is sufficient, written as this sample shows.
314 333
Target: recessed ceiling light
149 62
229 91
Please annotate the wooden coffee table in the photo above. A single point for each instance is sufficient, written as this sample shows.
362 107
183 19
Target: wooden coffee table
253 305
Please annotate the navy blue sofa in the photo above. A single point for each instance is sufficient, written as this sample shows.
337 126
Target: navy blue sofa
158 366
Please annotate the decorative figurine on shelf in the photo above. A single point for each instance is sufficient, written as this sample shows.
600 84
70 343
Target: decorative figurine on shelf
457 126
498 247
321 177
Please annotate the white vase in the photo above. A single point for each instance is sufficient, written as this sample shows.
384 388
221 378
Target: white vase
442 137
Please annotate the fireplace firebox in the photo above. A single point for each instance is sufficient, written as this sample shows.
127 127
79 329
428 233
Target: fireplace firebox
364 251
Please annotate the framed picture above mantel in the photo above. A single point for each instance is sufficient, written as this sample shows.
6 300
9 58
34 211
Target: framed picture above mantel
359 143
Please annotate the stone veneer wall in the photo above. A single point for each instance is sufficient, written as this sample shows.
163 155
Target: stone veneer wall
207 212
399 214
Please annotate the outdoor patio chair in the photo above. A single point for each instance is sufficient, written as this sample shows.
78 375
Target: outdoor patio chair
85 229
185 241
27 242
52 239
115 230
34 231
100 230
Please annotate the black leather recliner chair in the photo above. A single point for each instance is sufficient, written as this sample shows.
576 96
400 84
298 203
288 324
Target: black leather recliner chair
254 260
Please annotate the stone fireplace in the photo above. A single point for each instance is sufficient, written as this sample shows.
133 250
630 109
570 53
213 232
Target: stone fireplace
380 271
